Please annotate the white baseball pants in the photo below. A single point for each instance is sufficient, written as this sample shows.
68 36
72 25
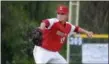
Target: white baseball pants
44 56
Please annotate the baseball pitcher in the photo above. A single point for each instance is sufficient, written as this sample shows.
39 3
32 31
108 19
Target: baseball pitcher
50 36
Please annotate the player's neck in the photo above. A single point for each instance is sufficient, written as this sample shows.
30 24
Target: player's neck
62 22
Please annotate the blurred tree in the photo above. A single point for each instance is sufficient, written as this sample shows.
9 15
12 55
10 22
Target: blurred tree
94 16
15 24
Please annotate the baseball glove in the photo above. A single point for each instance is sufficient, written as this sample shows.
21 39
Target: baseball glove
36 36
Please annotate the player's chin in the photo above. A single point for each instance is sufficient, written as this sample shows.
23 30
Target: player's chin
62 20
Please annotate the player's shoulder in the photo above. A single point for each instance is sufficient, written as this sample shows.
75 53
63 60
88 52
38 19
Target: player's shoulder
68 23
51 22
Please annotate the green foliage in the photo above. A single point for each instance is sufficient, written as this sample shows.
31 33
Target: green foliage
14 34
94 16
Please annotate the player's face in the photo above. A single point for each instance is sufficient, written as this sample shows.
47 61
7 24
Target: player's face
62 16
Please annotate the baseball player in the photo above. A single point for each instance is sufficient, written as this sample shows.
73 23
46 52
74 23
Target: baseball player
50 36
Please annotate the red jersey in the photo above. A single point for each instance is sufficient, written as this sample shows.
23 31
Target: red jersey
55 34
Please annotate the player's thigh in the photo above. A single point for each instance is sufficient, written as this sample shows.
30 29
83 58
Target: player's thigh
40 56
58 59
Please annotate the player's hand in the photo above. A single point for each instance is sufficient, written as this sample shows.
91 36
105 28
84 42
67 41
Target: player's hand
90 34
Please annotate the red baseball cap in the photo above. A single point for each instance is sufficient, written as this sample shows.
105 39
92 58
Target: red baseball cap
62 9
